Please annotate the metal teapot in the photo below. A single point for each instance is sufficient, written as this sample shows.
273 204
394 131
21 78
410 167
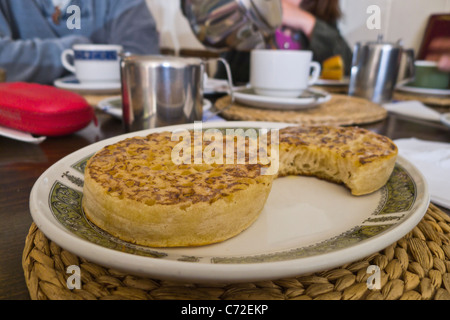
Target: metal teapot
375 69
233 24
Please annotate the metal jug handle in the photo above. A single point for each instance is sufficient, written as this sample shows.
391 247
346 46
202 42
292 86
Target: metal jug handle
354 68
230 85
411 67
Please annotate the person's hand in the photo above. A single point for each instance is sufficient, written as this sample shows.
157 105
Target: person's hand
440 52
296 18
444 63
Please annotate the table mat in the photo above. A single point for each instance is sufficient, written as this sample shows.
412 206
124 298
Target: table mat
340 110
441 101
417 267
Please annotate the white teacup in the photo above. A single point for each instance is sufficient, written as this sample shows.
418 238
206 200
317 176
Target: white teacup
94 62
282 73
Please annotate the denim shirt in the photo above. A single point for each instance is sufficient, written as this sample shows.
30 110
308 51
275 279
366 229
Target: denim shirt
31 40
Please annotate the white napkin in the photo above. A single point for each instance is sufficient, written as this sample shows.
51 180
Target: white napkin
20 136
433 160
208 116
414 109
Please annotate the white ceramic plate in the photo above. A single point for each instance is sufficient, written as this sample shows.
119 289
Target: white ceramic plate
113 106
445 119
248 97
427 91
71 83
213 86
20 135
307 225
218 86
333 83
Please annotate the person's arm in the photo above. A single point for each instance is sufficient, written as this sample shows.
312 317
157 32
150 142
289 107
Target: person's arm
32 60
131 24
296 18
323 39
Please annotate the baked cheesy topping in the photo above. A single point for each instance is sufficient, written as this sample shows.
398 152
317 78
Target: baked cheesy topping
142 169
353 141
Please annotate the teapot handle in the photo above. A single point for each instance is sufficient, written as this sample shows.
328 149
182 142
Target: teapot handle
410 68
411 71
354 68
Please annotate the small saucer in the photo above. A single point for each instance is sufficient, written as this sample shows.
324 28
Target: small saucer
408 87
113 106
445 119
309 99
333 83
71 83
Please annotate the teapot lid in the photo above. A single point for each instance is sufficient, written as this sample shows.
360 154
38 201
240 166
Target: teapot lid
162 60
381 42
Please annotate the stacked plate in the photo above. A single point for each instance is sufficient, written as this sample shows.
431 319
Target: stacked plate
410 88
309 99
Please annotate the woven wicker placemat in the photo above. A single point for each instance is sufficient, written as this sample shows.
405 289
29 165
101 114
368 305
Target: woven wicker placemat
417 267
340 110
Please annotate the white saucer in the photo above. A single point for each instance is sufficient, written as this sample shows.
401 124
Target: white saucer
428 91
333 83
212 86
218 86
305 101
113 106
71 83
445 119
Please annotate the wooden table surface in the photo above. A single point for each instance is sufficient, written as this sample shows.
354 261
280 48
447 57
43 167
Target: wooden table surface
21 164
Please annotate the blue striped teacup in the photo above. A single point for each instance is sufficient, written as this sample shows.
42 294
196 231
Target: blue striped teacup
93 62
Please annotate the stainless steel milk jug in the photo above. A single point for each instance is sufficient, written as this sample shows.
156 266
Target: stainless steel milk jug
160 91
375 69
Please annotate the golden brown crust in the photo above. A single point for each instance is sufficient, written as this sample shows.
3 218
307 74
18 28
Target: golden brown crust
133 188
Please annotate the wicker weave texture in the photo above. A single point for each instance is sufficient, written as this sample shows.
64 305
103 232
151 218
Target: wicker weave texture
417 267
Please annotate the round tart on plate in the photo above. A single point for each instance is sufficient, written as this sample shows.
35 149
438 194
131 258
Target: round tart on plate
139 191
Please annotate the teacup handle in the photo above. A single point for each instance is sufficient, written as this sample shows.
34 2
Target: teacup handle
410 64
229 75
64 59
230 85
317 69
